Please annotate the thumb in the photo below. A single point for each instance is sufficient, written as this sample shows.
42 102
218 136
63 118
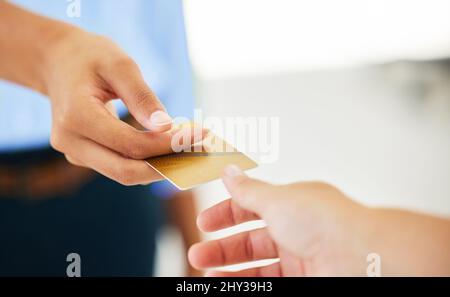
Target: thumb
251 194
127 82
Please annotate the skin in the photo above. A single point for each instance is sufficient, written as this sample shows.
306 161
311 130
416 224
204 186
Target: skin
81 73
182 213
316 230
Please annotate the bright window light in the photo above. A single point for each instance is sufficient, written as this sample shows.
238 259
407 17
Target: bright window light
245 37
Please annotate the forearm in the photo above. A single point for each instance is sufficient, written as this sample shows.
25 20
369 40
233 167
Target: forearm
24 45
182 216
410 243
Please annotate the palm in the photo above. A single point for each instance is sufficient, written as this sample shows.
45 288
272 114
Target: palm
318 256
242 247
289 265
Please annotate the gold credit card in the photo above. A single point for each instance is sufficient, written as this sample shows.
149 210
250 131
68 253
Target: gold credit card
203 163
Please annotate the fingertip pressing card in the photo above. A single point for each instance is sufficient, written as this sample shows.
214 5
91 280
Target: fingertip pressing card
202 163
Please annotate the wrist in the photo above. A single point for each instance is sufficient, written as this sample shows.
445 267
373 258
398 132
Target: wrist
49 49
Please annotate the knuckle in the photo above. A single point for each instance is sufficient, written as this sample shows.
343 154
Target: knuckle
65 118
117 64
105 39
124 181
135 151
71 160
143 97
56 141
317 185
123 63
245 184
125 175
322 185
244 188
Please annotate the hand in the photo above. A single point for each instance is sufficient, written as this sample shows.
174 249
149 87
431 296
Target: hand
311 228
192 272
314 229
84 72
80 73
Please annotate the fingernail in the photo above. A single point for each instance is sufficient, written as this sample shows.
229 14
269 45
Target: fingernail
160 118
233 171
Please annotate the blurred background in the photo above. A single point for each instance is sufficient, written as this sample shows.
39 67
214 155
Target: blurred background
361 89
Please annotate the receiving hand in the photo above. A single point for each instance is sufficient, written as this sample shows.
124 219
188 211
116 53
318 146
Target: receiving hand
314 229
311 227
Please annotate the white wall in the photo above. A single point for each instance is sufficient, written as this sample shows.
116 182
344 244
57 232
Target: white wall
380 133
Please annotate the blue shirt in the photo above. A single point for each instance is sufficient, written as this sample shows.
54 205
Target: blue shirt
150 31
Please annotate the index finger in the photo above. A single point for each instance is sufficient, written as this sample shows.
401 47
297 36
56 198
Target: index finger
239 248
127 81
99 125
223 215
